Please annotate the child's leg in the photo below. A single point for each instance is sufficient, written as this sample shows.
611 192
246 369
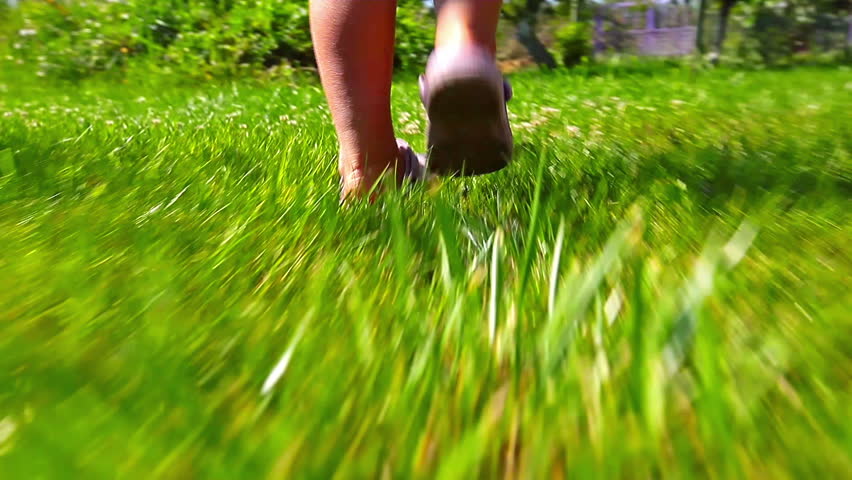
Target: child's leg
467 22
354 44
464 92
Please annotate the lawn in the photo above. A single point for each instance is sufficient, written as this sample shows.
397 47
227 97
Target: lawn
658 286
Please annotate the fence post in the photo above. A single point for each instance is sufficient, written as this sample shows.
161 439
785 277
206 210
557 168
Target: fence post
649 38
651 18
599 32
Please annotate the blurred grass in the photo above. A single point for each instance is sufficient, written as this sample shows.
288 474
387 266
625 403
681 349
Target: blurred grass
657 286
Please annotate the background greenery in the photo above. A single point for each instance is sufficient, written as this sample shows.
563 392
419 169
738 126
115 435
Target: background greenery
202 39
198 38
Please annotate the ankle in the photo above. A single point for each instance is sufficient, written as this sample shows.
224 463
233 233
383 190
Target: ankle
461 39
464 24
360 172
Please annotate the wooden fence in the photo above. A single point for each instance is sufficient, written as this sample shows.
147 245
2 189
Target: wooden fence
657 30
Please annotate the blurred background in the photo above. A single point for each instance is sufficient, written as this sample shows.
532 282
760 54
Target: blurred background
73 39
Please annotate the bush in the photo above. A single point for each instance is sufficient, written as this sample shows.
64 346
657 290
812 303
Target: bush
199 38
574 43
216 39
772 35
75 39
415 34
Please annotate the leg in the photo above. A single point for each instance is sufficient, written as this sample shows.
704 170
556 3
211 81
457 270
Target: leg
464 92
354 45
467 23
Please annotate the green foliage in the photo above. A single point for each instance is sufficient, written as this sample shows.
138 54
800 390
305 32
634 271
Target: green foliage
74 39
776 32
772 35
522 9
6 25
415 34
200 38
574 43
228 38
657 287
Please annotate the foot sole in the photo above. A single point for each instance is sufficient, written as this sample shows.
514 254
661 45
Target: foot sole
468 129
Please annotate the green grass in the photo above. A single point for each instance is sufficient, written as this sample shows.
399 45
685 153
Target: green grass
658 286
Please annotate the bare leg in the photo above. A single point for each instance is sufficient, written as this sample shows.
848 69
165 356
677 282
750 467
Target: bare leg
354 45
463 23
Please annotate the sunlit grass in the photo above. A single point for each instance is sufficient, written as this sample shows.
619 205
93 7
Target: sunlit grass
657 286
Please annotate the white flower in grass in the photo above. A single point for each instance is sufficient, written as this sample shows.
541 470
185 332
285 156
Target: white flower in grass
573 130
410 128
538 120
27 32
526 126
8 427
156 121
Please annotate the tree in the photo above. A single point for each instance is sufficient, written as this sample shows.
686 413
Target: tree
699 29
524 14
722 28
721 33
570 8
801 13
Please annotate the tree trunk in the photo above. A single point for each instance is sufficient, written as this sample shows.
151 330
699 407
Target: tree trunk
576 8
528 38
724 15
699 29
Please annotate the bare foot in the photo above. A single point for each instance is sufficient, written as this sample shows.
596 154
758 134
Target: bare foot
359 178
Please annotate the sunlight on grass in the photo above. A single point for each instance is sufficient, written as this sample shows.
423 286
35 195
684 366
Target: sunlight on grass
657 286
